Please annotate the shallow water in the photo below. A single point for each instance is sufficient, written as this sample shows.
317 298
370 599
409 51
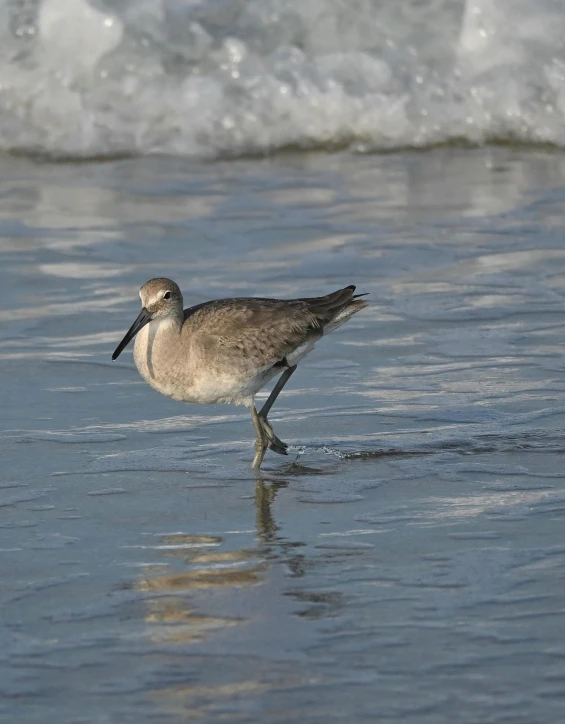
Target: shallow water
404 563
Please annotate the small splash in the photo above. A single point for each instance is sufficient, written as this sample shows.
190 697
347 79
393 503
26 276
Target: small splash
300 450
332 451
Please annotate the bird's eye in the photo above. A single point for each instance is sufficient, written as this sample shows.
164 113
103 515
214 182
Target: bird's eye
167 295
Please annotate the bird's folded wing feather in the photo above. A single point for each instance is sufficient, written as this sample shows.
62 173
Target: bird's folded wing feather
263 331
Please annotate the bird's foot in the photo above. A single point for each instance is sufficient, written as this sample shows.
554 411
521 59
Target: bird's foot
275 444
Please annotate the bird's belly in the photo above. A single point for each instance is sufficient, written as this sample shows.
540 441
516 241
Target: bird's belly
209 388
232 388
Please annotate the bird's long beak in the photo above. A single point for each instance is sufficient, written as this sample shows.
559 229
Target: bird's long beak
143 318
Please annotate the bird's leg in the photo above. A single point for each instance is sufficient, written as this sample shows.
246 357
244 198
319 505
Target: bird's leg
281 382
261 442
275 444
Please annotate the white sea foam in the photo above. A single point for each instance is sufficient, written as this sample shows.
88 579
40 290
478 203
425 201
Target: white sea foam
204 78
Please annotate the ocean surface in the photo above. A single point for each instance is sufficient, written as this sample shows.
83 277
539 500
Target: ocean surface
405 564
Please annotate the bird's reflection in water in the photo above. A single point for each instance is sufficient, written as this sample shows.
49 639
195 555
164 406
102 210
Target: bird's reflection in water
265 494
275 546
179 609
171 616
199 563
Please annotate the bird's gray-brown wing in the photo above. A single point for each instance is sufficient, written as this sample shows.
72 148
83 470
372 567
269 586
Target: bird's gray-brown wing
262 331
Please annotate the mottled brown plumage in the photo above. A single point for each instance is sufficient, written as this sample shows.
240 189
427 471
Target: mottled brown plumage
264 331
227 349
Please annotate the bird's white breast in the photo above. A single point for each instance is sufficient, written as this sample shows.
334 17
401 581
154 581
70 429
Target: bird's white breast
156 357
174 367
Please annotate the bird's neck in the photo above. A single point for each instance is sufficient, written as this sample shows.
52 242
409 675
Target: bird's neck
168 325
156 346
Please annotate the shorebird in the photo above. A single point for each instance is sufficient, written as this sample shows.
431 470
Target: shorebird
226 350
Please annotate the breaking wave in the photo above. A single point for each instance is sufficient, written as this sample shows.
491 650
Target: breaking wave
217 78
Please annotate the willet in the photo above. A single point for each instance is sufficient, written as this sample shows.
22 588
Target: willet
226 350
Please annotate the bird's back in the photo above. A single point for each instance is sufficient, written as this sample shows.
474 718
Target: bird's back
264 332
